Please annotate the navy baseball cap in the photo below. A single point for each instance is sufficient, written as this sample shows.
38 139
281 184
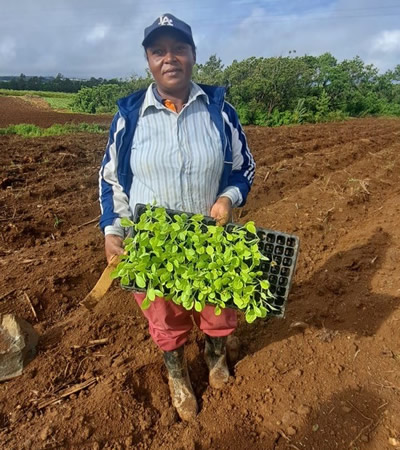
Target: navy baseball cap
168 21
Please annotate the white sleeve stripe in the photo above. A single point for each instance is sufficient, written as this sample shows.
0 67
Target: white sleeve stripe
247 151
237 156
251 168
237 149
250 171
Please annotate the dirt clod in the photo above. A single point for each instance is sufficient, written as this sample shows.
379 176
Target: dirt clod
304 410
168 417
46 433
289 418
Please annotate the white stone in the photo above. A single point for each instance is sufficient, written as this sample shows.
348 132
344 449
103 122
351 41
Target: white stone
18 341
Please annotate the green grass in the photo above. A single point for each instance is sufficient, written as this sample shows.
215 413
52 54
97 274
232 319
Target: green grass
56 100
37 93
29 130
59 103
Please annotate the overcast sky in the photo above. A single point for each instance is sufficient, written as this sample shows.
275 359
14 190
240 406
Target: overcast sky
102 38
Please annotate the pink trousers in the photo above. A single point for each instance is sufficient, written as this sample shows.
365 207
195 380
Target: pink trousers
170 324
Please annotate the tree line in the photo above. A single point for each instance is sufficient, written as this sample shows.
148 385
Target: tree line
281 90
59 83
278 90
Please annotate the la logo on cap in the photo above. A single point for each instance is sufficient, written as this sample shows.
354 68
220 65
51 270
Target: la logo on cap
164 20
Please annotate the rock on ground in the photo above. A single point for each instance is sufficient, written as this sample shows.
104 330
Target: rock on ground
18 341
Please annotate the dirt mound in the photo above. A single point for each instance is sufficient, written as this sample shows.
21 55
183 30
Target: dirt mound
14 110
325 377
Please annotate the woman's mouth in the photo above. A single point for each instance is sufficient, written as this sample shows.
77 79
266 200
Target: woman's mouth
171 72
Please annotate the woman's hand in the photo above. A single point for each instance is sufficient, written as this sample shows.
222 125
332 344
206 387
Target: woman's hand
222 211
113 246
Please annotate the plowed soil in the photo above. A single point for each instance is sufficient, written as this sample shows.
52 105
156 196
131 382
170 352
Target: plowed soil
327 376
14 110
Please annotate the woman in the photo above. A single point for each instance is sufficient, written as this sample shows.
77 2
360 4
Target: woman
181 146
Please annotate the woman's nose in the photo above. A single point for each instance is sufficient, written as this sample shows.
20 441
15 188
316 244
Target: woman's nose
170 56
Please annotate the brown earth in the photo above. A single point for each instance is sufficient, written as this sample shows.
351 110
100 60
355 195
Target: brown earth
325 377
14 110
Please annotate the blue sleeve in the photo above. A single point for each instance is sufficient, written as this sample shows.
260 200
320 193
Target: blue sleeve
243 164
114 202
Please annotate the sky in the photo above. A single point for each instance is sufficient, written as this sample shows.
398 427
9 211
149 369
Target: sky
102 38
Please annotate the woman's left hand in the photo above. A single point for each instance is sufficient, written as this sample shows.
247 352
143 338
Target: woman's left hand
221 211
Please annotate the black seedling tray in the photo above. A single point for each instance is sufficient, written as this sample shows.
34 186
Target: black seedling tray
280 248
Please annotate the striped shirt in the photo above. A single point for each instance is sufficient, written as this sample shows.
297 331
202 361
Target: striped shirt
176 158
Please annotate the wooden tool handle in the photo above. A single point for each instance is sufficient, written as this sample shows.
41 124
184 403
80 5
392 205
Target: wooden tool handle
102 286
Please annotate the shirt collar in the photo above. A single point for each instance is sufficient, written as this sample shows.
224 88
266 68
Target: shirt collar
153 99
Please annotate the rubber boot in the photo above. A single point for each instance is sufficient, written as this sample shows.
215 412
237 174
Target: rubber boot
232 349
182 394
215 356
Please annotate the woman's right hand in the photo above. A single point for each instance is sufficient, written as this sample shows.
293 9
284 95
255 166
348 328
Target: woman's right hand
113 246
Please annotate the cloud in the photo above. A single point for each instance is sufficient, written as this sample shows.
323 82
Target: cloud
387 42
98 33
52 37
7 50
342 27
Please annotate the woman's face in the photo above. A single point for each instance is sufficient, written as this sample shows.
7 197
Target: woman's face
171 62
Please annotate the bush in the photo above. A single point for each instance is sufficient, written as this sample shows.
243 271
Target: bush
322 107
99 99
103 98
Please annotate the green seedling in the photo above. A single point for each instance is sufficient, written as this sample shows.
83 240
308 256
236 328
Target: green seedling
184 260
57 221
